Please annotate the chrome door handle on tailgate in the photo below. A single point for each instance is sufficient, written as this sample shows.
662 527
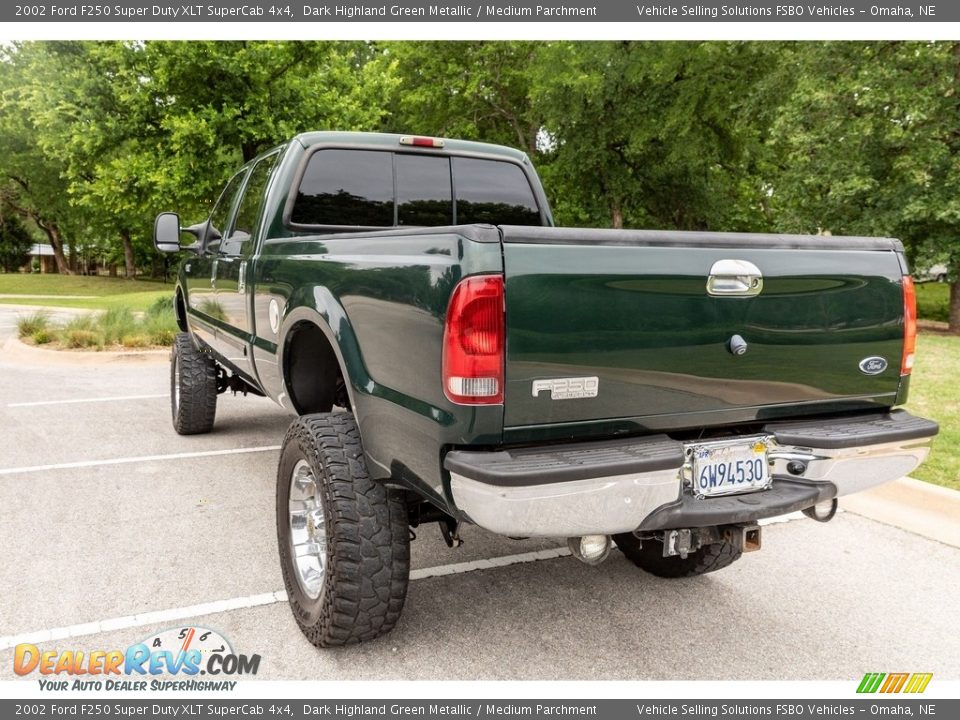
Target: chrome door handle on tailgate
737 278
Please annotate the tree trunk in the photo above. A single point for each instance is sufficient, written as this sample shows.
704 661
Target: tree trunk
74 259
130 267
616 213
52 231
954 304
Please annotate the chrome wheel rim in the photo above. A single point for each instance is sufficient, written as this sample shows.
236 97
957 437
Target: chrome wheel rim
308 531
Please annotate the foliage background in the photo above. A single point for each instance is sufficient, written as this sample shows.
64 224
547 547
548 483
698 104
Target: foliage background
838 137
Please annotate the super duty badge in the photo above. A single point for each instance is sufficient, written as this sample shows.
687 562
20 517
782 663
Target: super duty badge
572 388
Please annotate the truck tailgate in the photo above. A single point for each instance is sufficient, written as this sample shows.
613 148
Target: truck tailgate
616 330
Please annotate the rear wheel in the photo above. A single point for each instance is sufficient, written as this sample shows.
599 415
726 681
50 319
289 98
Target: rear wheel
193 387
343 538
648 555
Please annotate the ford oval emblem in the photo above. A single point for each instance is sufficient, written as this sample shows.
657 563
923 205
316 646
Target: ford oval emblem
873 365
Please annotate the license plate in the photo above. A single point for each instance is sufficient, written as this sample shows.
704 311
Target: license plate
725 467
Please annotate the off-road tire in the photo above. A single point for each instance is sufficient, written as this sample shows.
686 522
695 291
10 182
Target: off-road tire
194 407
367 535
648 556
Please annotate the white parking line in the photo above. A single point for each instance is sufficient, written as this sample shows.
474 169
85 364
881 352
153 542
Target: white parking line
86 400
142 458
239 603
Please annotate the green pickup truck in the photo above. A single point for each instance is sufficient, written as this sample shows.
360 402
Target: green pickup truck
452 357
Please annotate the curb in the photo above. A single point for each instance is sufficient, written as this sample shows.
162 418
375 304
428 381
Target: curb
918 507
18 353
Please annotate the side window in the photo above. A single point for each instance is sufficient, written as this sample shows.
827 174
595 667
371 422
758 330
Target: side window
346 187
221 211
424 196
248 212
489 191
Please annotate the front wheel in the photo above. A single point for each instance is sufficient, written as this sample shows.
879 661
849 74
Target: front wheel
343 538
648 555
193 387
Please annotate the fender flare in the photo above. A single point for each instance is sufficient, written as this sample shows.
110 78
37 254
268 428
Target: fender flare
326 313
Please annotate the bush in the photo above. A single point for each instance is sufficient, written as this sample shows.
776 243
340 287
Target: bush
43 336
115 324
82 322
135 341
30 325
161 306
79 338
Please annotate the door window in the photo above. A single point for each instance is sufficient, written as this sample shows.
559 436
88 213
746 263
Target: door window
240 238
221 211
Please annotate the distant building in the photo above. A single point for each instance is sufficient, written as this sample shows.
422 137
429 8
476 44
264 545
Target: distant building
42 252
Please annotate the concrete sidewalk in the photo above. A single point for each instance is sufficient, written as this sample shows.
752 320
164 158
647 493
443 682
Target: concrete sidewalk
918 507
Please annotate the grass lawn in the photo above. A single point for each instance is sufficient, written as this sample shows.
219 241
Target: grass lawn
933 301
935 394
107 292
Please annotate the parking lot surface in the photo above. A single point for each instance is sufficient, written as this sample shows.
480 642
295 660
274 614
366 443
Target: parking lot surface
109 516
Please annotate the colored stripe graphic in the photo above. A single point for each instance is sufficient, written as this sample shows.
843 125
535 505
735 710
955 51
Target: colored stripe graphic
894 682
870 682
918 682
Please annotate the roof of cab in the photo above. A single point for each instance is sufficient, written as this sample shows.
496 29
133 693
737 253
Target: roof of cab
392 141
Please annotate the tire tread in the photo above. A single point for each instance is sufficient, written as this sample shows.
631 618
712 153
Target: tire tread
369 566
198 388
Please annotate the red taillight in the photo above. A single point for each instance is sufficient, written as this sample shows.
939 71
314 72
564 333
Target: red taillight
909 325
421 141
473 342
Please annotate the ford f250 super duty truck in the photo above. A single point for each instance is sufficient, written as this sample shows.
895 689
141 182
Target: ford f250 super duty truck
660 391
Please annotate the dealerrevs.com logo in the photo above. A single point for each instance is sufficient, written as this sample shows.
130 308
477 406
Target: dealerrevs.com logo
151 664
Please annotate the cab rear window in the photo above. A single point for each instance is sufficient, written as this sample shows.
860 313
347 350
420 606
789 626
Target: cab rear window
346 187
493 192
374 188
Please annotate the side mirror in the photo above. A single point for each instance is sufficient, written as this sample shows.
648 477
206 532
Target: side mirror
166 232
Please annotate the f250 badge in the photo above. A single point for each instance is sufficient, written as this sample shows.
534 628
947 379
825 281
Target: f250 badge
873 365
568 388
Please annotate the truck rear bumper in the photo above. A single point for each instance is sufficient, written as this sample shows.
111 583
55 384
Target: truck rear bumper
643 483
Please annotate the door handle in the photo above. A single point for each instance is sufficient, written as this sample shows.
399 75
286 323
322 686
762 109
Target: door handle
734 278
242 277
213 274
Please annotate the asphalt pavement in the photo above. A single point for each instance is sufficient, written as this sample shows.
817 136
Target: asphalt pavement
115 528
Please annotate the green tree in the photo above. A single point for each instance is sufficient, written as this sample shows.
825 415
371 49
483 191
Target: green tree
133 127
477 90
868 142
32 185
652 134
15 243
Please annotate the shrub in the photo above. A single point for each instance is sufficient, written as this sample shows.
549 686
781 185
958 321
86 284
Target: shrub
162 336
135 341
43 336
116 324
161 306
31 324
79 338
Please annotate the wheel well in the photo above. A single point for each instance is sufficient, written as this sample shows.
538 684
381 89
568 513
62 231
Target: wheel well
310 369
180 311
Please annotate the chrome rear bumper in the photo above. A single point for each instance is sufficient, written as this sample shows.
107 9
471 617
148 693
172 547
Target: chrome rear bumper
644 483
